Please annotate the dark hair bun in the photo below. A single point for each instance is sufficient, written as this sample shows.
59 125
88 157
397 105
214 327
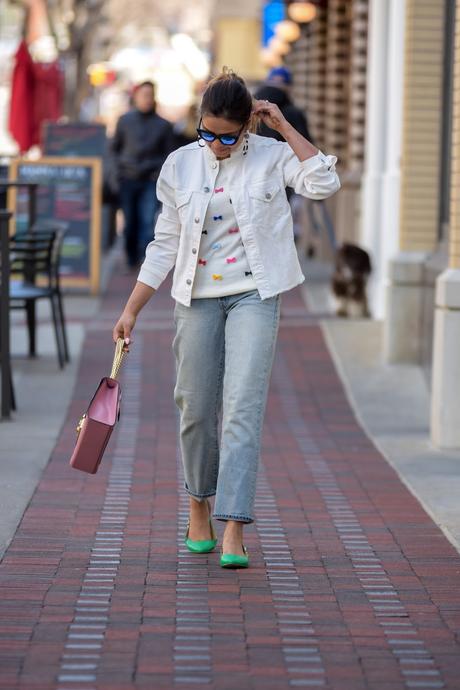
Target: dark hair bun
227 96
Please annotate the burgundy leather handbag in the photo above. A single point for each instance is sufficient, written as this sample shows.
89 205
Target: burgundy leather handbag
96 425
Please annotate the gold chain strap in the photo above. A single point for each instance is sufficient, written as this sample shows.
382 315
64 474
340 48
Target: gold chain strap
117 358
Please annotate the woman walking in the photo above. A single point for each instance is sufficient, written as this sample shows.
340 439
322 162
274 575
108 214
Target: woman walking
226 226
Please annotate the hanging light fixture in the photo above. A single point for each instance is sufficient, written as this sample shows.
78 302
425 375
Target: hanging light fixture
269 58
279 47
287 31
301 12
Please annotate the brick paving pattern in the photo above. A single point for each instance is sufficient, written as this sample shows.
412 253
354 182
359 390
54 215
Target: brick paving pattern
351 585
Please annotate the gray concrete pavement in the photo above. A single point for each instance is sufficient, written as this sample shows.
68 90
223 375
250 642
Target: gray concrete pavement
393 404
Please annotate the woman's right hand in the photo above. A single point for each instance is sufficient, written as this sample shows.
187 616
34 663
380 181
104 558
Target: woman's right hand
123 328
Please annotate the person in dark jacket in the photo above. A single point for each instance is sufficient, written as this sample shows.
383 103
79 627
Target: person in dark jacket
141 143
276 90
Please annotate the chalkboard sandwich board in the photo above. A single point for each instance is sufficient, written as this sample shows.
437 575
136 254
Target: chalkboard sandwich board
69 191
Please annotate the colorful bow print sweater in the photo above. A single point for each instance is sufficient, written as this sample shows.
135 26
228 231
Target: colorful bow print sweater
222 268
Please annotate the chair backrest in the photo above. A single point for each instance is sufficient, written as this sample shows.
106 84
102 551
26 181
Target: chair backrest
38 252
31 256
60 228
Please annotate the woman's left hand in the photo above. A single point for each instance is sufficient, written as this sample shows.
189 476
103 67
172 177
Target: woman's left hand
270 114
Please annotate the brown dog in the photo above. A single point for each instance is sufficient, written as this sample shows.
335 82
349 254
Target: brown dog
352 270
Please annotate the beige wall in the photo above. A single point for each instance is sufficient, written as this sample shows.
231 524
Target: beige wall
237 45
238 37
421 125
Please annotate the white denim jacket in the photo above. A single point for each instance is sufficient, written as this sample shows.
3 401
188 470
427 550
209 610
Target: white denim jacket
257 188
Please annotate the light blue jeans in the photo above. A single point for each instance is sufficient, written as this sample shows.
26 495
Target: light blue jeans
224 349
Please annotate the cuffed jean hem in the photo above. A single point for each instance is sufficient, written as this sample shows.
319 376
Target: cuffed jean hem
198 496
237 518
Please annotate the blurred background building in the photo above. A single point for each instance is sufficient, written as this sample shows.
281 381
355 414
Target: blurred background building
377 81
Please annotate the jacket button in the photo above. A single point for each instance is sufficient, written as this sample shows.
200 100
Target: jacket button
193 250
188 281
268 196
197 220
214 165
206 189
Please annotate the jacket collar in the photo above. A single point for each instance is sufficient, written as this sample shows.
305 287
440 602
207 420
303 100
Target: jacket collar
236 154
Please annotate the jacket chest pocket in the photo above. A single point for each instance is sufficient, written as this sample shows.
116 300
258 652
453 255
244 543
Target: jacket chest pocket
183 198
266 199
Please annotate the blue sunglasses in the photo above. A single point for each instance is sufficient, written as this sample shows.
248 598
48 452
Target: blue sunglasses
225 139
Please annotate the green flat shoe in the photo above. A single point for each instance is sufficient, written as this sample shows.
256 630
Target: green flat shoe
232 560
201 545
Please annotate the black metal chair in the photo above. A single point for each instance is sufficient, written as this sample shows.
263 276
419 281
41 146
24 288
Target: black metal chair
34 261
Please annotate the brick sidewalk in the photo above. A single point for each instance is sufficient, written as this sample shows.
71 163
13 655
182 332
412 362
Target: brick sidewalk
350 586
